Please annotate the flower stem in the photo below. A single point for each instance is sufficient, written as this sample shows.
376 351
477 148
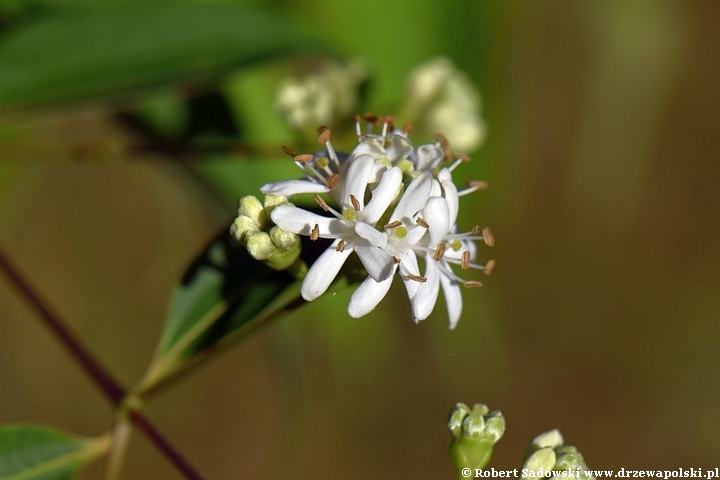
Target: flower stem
110 387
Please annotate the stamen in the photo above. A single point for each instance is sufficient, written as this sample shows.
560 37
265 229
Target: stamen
465 260
315 234
396 260
462 156
333 181
473 284
341 245
289 151
422 222
392 225
407 128
475 230
489 266
439 251
370 118
488 237
448 154
442 140
358 129
321 202
416 278
476 184
304 157
325 135
355 202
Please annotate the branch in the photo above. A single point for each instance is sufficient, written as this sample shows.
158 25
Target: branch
110 387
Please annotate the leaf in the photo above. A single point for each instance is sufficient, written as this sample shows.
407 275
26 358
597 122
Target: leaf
36 452
75 55
224 295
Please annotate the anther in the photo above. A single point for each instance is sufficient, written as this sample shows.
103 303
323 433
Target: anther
442 140
477 184
465 260
489 266
488 237
422 222
340 246
389 119
416 278
462 156
324 136
448 154
289 151
321 129
396 260
370 117
321 202
473 284
439 251
392 225
304 157
475 230
356 203
333 180
315 234
407 128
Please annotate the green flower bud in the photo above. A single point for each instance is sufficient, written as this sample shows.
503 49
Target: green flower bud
251 207
259 245
272 201
547 453
552 439
282 239
540 461
241 227
475 432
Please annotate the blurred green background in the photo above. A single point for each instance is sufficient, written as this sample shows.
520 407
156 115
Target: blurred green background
120 160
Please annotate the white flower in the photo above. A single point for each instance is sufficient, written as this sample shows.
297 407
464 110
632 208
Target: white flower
353 229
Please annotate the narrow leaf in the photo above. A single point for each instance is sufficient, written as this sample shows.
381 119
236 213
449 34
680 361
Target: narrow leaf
75 55
41 453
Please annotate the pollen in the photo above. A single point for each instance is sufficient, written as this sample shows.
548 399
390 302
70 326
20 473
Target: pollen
473 284
321 202
465 260
489 267
488 237
315 234
340 246
439 251
400 232
355 202
349 214
416 278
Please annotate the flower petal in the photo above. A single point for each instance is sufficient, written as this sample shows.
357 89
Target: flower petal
436 215
357 179
409 261
424 300
367 296
287 188
414 197
373 237
453 298
451 194
323 272
400 147
429 157
378 263
296 220
382 196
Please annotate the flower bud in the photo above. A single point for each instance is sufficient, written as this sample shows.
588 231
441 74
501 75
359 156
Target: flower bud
475 432
540 461
251 207
241 227
547 453
282 239
259 245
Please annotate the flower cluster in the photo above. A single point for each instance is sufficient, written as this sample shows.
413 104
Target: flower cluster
393 205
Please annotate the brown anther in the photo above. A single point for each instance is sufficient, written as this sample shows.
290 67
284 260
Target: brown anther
475 230
324 136
439 251
489 266
321 129
355 203
442 139
420 221
315 234
396 260
357 118
465 260
407 127
488 237
333 180
392 225
448 154
304 157
473 284
289 151
462 156
340 246
416 278
389 119
370 117
479 184
321 202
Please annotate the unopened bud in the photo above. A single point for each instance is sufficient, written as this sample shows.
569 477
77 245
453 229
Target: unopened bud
241 227
552 438
259 245
541 461
475 432
251 207
282 239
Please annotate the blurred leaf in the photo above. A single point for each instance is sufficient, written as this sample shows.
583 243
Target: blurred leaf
223 296
35 452
110 50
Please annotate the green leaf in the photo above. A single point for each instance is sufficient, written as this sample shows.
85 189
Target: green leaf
223 296
41 453
87 53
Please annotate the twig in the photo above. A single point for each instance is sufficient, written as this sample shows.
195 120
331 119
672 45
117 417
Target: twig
112 389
